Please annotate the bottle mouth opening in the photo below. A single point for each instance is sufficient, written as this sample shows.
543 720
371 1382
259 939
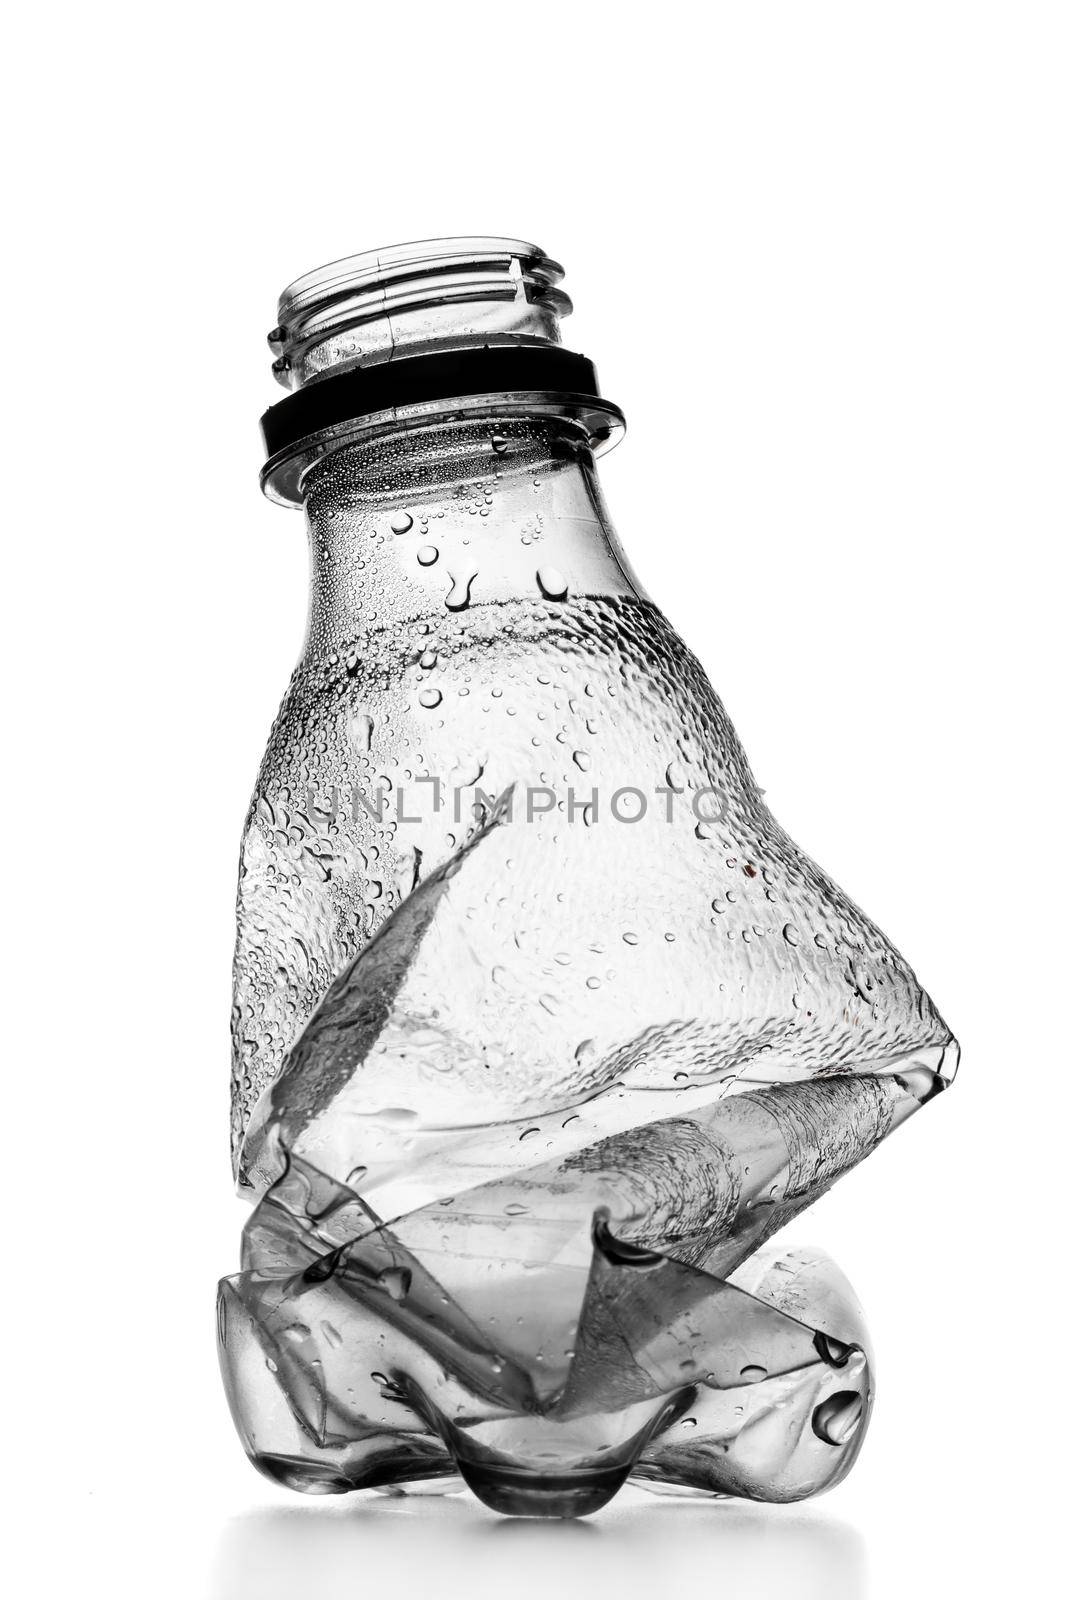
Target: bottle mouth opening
430 294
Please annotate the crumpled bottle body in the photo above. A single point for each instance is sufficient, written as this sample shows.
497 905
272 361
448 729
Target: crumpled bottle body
543 1027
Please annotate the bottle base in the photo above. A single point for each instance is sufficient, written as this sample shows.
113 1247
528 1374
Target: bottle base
518 1493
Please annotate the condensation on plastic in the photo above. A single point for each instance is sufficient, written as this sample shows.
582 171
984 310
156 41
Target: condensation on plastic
537 1008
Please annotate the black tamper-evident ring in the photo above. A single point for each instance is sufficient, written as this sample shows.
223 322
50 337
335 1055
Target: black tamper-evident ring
450 374
460 375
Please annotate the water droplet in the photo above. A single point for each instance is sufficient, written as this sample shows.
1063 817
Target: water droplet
402 522
429 698
361 727
428 660
427 555
791 934
581 760
835 1420
458 597
528 1133
331 1335
753 1374
552 583
397 1116
396 1281
688 1422
515 1210
499 443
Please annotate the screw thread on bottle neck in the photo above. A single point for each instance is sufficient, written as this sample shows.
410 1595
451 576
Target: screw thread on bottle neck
441 294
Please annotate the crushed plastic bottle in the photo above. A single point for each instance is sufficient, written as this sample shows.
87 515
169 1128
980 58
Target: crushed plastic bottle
542 1024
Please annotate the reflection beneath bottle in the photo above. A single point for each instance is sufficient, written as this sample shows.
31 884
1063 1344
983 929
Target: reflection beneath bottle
638 1547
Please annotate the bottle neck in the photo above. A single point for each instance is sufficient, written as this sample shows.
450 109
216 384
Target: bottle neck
434 294
455 515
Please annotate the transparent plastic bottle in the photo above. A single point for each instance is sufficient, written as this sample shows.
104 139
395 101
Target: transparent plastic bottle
536 1006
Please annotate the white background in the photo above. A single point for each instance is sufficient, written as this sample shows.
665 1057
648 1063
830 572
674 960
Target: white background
818 253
